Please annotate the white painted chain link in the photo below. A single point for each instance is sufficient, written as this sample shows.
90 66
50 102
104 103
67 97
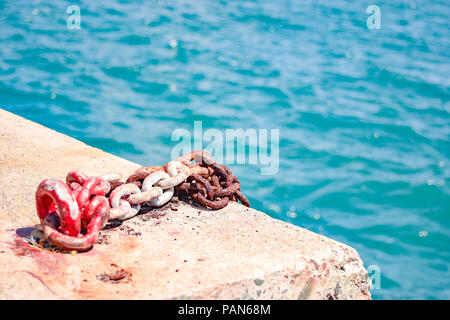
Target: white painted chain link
157 190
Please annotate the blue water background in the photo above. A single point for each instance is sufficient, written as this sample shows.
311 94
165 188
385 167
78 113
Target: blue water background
363 114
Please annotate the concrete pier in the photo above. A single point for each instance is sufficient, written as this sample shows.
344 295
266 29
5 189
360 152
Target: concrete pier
182 252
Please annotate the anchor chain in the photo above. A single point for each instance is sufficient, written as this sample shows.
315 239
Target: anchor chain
73 212
67 209
216 188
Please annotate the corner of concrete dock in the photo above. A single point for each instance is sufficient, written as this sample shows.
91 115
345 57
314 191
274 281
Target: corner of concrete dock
183 252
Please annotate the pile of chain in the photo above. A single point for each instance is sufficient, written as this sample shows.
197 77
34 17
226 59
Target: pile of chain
213 185
73 213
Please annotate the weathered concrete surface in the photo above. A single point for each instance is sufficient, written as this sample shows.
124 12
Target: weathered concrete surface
189 253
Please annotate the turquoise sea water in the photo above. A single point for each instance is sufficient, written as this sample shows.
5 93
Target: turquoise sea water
364 115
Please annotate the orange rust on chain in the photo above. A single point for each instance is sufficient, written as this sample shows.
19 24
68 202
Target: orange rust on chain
215 187
142 173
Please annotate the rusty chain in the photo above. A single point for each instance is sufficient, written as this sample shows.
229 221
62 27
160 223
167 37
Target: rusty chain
216 188
73 213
